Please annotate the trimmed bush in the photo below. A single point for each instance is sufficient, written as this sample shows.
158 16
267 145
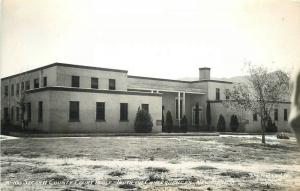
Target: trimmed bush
197 120
143 122
169 122
234 123
208 116
184 124
221 126
271 127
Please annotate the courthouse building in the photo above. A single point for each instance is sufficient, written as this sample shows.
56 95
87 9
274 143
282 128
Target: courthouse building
72 98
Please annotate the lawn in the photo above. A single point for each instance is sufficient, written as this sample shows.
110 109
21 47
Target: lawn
150 163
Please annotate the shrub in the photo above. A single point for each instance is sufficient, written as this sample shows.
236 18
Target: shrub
184 124
271 127
208 115
143 122
221 126
197 120
169 122
234 123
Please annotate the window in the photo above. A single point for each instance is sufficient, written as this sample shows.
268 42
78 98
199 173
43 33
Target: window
6 90
227 94
217 93
275 114
123 111
22 86
94 83
12 113
18 90
112 84
36 83
6 114
285 115
176 107
45 81
100 111
145 107
17 113
40 110
28 112
255 117
74 111
75 81
27 85
12 90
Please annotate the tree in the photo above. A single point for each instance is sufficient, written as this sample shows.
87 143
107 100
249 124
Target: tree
234 123
197 115
260 94
184 124
169 122
221 126
208 115
143 122
21 103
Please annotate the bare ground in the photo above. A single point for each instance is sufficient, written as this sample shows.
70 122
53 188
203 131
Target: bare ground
150 163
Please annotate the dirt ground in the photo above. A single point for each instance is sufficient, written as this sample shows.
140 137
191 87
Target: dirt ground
150 163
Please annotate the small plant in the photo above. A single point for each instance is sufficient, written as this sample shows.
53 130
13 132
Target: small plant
234 123
221 126
184 124
169 122
143 122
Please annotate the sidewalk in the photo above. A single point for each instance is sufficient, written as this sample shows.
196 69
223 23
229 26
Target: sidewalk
29 135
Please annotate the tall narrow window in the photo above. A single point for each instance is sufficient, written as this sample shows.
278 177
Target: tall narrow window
22 87
18 89
12 113
285 115
100 111
40 112
255 117
227 94
6 114
27 85
12 90
6 90
75 81
94 83
217 93
17 113
145 107
123 111
112 84
275 114
29 112
45 81
176 107
74 111
36 83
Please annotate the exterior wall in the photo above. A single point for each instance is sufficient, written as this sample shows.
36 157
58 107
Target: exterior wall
211 91
12 101
64 77
59 111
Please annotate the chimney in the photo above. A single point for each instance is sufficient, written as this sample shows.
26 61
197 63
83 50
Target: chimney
204 73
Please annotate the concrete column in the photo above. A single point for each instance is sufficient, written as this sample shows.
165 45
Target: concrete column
183 103
178 106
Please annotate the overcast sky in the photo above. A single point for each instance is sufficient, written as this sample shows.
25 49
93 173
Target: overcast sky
158 38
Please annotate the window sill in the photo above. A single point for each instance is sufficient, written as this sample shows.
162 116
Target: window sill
100 120
124 120
74 120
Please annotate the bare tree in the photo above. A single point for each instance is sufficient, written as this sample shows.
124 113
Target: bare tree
260 94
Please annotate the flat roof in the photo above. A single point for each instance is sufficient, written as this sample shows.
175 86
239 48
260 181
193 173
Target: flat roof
65 65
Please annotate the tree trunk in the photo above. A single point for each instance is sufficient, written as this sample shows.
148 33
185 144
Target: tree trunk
263 139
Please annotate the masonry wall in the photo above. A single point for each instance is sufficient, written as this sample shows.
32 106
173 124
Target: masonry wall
64 77
59 111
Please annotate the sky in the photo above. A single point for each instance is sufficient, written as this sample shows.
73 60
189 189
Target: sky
155 38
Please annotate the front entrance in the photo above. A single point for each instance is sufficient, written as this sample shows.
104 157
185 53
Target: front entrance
201 122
